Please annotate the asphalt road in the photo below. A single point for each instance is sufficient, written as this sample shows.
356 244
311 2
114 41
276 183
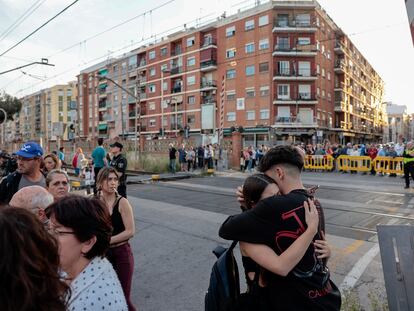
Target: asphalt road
177 224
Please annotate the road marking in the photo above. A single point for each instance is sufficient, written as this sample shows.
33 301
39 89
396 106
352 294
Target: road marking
358 269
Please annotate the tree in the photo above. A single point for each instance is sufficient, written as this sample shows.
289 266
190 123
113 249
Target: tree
11 105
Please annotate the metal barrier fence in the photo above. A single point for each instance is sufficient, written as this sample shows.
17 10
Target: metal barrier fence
384 165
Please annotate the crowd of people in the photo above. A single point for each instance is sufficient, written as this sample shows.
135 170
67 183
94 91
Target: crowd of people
64 251
191 158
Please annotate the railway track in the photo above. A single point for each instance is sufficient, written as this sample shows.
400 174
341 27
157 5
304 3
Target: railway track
355 219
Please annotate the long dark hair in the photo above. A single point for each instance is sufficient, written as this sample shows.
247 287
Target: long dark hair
29 265
253 188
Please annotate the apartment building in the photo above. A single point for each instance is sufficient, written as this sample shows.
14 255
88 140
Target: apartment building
42 113
275 72
399 122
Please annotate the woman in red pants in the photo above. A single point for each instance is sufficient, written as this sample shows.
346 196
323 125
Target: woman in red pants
119 254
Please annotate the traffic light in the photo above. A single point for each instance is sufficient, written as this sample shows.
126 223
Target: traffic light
102 73
72 127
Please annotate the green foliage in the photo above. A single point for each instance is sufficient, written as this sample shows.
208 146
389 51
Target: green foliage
11 104
377 301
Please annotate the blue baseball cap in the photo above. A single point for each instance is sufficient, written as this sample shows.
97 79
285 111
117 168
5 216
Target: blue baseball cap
30 150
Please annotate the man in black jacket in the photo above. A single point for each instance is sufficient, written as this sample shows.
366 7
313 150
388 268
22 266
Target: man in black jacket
28 173
277 222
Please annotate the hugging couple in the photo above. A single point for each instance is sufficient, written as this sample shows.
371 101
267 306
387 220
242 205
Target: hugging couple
282 240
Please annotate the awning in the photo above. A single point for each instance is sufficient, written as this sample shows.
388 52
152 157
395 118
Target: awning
256 130
103 86
102 127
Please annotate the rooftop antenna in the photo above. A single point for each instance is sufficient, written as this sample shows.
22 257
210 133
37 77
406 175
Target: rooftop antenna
223 15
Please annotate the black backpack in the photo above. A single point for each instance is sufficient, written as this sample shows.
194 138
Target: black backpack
224 289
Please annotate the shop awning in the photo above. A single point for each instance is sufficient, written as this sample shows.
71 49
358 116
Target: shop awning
102 127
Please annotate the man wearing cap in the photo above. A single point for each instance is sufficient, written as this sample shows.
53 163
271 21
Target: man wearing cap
119 162
28 173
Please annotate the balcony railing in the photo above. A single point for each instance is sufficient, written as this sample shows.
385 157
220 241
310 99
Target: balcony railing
208 83
301 96
142 63
209 41
176 51
208 63
208 99
293 73
177 89
176 70
296 120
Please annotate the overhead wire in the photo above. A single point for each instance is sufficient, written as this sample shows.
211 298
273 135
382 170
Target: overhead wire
83 42
21 19
38 28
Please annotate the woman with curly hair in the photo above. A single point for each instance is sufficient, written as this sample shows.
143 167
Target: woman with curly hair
29 265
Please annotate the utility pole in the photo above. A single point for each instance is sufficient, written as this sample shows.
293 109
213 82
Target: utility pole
138 119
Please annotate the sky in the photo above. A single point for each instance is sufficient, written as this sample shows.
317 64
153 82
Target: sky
378 28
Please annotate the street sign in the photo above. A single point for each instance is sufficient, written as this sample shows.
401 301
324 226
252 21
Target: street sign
319 133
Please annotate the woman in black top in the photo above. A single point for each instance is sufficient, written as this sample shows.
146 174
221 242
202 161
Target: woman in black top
258 187
119 254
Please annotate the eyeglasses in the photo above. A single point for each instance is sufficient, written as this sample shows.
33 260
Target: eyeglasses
25 159
56 232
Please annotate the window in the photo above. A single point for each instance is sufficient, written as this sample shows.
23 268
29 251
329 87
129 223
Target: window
329 75
283 43
230 31
263 67
323 72
318 91
304 91
231 116
231 53
164 51
303 20
264 44
329 96
165 86
191 99
249 47
249 25
328 54
230 95
304 41
264 114
191 119
190 41
151 88
231 74
151 106
250 92
191 61
264 90
152 72
263 20
282 20
318 46
323 93
323 49
304 69
164 67
250 70
250 115
240 104
151 54
191 80
283 68
152 122
283 91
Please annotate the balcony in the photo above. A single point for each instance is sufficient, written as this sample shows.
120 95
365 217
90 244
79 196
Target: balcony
208 65
176 70
208 100
282 25
208 85
295 122
299 50
340 67
176 51
177 126
177 89
339 48
209 43
102 106
132 100
293 75
142 63
303 98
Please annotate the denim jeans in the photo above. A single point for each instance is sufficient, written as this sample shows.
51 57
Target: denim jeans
172 166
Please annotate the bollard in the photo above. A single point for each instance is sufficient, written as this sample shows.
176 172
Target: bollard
75 185
155 177
210 171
